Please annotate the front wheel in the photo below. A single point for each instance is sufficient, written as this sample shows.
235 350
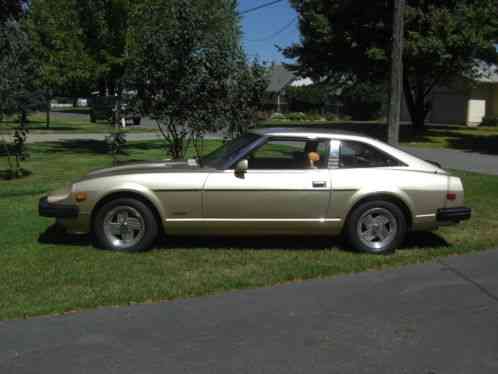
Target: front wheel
377 227
126 225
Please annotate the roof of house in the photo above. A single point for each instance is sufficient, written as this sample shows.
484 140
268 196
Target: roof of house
280 78
486 73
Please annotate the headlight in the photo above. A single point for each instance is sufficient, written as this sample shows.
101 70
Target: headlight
60 195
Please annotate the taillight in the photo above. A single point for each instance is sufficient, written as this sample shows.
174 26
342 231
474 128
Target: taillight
451 196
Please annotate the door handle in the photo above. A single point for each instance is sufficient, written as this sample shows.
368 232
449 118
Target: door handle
319 184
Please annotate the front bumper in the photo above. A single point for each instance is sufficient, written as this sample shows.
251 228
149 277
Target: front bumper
46 209
453 214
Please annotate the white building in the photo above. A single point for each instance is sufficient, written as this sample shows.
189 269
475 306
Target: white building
465 101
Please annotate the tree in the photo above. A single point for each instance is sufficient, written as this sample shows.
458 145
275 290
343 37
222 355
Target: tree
246 96
104 26
12 9
350 40
365 101
184 62
66 68
18 85
312 98
81 45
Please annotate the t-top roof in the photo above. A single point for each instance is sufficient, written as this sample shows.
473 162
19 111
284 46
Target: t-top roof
303 131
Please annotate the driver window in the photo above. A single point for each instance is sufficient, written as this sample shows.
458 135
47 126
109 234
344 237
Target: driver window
289 154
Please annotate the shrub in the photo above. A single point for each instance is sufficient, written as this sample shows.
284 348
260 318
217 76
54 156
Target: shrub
490 121
278 117
298 116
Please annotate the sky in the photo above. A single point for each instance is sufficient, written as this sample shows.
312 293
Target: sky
276 24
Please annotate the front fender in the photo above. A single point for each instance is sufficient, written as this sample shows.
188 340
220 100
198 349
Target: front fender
98 190
137 189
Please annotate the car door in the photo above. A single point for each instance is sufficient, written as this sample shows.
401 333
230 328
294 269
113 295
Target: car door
282 190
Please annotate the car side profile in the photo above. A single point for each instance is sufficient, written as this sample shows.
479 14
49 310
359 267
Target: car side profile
266 182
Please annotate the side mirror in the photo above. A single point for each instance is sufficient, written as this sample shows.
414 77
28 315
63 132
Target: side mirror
241 168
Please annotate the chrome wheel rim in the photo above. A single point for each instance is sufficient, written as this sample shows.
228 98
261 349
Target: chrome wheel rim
124 227
377 228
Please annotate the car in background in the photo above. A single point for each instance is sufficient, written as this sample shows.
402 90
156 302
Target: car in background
267 182
103 108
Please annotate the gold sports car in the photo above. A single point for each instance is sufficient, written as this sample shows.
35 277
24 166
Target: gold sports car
267 182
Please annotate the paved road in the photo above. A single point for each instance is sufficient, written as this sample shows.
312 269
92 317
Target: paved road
459 160
436 318
146 122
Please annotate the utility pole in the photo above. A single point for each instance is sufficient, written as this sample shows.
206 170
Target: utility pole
396 89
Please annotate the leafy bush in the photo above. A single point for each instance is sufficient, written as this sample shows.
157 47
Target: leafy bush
116 141
490 121
332 118
297 117
278 117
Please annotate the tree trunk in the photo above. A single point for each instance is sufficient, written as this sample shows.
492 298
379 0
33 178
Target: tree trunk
395 92
48 113
415 102
101 87
24 119
7 153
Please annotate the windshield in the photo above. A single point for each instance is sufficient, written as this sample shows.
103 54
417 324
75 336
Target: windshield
228 150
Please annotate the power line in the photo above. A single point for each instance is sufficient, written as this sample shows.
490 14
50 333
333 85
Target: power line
260 7
275 34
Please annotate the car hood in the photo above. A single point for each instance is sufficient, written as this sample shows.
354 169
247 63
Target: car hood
146 168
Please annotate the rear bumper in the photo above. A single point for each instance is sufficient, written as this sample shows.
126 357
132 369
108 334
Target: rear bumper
45 209
453 214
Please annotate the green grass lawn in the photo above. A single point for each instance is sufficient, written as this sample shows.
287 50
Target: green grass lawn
60 123
45 273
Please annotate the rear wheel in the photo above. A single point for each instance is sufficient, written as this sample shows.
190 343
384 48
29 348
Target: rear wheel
126 225
376 227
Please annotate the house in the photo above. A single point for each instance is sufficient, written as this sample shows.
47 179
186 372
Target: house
466 101
280 79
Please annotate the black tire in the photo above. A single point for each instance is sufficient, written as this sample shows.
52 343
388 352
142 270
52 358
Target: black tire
150 225
398 230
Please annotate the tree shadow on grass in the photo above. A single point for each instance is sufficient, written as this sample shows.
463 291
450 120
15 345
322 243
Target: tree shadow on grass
94 146
476 144
75 146
81 111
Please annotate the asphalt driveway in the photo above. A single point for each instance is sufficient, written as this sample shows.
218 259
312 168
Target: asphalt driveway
436 318
459 160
